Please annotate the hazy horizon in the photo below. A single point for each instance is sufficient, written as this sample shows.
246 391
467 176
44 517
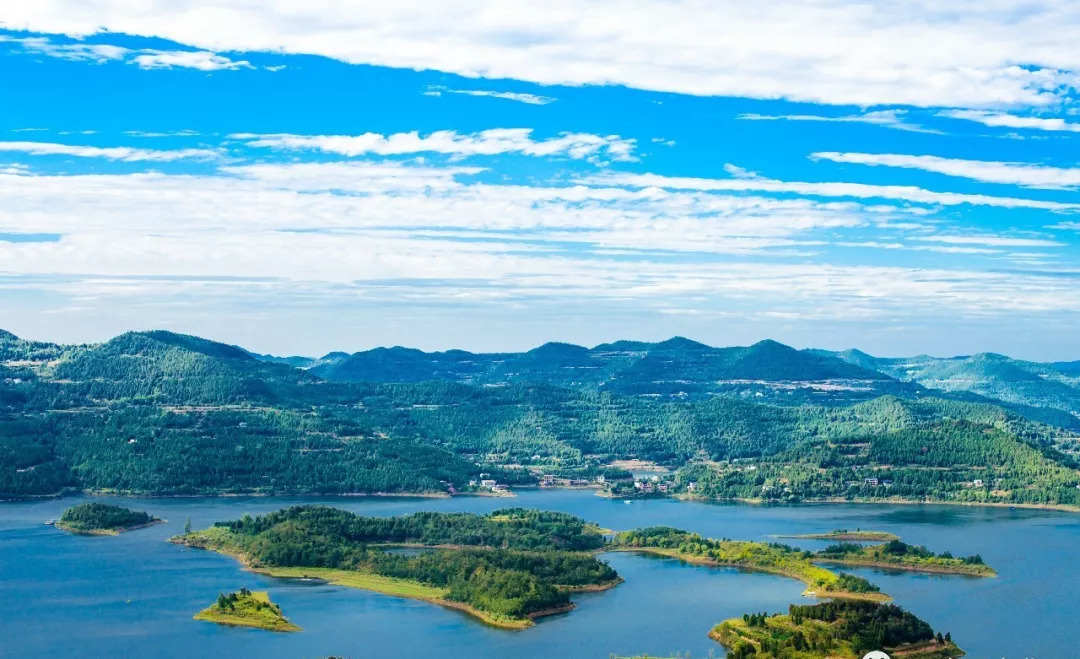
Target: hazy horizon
514 348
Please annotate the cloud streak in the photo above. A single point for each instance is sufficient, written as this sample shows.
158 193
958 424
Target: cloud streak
1008 173
496 141
886 118
906 193
1005 120
120 153
528 99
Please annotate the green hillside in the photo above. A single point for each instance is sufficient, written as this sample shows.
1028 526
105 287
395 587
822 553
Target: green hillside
162 413
1031 388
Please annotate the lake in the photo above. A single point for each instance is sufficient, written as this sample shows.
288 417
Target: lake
133 595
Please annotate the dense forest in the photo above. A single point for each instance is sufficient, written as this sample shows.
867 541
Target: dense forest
839 629
511 563
162 413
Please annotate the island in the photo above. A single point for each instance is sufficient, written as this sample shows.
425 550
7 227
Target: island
897 555
833 630
103 519
506 568
245 608
844 535
773 558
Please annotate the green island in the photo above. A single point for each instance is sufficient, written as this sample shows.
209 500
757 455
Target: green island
844 535
103 519
245 608
833 630
773 558
506 568
899 555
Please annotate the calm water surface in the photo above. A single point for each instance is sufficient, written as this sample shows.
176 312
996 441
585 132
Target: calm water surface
133 595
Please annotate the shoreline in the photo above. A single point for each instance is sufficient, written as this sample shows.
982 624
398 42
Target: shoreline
1056 507
929 569
712 562
1059 507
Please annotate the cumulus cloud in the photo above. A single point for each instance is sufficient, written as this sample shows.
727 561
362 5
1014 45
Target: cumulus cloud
484 143
122 153
954 53
1009 173
201 60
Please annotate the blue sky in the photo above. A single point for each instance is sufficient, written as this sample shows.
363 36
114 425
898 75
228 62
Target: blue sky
299 181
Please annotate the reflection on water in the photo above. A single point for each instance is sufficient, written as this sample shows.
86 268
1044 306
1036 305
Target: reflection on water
133 595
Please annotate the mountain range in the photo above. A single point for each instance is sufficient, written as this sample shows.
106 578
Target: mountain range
164 413
766 370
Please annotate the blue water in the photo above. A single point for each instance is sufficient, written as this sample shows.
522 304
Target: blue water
133 595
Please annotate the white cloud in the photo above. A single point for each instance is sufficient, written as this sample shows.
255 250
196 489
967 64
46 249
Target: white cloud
1010 173
81 52
828 189
886 118
422 235
201 60
494 141
529 99
996 241
144 58
954 53
168 133
124 153
1005 120
1066 226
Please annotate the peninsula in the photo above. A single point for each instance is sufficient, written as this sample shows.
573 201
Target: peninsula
103 519
759 556
245 608
506 568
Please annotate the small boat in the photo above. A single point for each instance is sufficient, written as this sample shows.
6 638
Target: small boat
627 501
50 522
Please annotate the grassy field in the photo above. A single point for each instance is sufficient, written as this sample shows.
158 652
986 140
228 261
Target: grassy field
247 609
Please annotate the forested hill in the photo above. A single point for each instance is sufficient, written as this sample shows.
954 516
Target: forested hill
161 413
677 367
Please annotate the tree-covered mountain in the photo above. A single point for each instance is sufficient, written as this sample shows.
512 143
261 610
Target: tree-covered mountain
676 367
1053 386
156 412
